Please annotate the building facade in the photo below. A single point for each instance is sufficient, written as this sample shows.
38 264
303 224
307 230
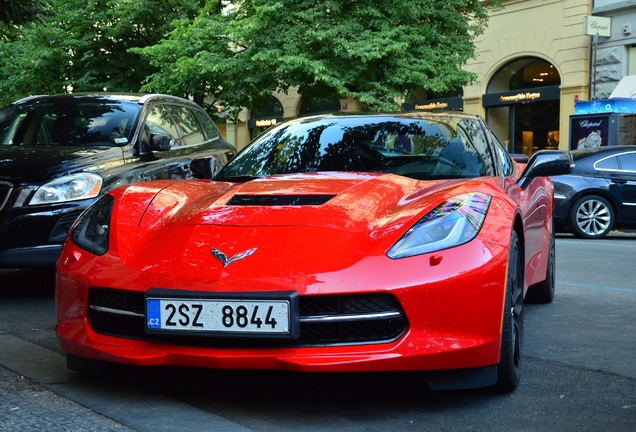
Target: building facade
614 55
532 65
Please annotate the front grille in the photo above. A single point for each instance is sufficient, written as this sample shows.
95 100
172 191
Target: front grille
323 321
278 200
5 191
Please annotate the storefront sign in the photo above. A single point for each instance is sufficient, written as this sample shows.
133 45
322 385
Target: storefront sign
595 25
522 96
433 105
601 106
453 103
264 122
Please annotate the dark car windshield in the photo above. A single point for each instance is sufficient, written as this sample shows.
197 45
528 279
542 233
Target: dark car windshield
422 148
68 123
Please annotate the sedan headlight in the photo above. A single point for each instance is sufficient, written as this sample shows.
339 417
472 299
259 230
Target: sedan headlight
452 223
69 188
90 231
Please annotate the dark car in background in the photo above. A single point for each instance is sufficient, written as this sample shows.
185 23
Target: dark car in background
59 153
600 193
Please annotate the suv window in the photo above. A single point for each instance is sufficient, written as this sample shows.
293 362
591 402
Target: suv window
187 122
207 124
159 121
66 124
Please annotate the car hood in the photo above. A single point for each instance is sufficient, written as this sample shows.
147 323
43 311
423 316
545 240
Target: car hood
362 216
352 202
41 163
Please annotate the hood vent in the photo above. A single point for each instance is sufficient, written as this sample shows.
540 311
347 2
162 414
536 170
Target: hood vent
279 200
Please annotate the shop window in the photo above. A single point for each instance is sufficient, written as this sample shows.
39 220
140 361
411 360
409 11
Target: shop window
265 115
523 105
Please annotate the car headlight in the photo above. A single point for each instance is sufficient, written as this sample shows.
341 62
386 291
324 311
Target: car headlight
452 223
69 188
90 231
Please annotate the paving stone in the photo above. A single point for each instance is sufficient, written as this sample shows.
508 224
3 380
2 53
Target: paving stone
26 406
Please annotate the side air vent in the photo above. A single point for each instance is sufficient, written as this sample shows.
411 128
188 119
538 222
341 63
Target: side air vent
278 200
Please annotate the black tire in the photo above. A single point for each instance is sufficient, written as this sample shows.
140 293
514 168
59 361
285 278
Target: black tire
543 292
84 365
509 367
591 217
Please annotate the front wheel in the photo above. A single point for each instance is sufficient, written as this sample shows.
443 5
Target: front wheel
591 217
508 369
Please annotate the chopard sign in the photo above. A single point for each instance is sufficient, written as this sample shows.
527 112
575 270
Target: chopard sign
590 124
596 25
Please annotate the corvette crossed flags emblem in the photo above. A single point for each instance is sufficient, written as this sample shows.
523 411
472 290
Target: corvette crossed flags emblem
226 261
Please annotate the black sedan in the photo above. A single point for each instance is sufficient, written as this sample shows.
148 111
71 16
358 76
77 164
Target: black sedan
59 153
600 193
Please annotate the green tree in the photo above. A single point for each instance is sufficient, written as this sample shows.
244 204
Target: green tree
14 13
84 45
370 50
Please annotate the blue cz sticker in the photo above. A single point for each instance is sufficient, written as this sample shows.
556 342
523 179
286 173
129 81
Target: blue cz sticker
153 314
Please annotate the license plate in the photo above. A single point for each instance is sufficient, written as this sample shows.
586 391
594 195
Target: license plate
219 316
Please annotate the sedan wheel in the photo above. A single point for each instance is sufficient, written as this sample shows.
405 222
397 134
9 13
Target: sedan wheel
591 217
508 369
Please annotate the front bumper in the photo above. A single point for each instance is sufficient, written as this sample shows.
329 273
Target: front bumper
453 310
32 239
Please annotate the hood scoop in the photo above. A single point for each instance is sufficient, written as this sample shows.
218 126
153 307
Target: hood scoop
279 200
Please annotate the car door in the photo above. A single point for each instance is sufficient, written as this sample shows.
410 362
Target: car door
622 182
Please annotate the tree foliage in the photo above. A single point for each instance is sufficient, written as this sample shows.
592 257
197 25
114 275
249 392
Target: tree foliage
240 51
14 13
84 45
370 50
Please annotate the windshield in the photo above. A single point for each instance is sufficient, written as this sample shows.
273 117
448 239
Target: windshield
431 148
68 123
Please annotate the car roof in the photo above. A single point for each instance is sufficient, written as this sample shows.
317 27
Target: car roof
140 98
599 152
420 114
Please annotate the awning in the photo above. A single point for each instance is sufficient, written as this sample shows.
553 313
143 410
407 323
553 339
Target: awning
626 88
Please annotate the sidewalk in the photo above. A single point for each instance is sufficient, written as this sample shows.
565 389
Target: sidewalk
26 406
39 393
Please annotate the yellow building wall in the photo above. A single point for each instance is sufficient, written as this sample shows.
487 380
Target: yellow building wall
551 30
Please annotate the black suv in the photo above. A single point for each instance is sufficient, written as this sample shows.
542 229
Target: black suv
59 153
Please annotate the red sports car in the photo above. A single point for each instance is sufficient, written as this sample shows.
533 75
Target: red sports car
383 242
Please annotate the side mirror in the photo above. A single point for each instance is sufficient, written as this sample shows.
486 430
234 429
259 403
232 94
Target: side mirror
160 142
205 168
546 163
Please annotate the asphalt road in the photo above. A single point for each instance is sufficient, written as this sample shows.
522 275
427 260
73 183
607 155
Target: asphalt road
579 372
